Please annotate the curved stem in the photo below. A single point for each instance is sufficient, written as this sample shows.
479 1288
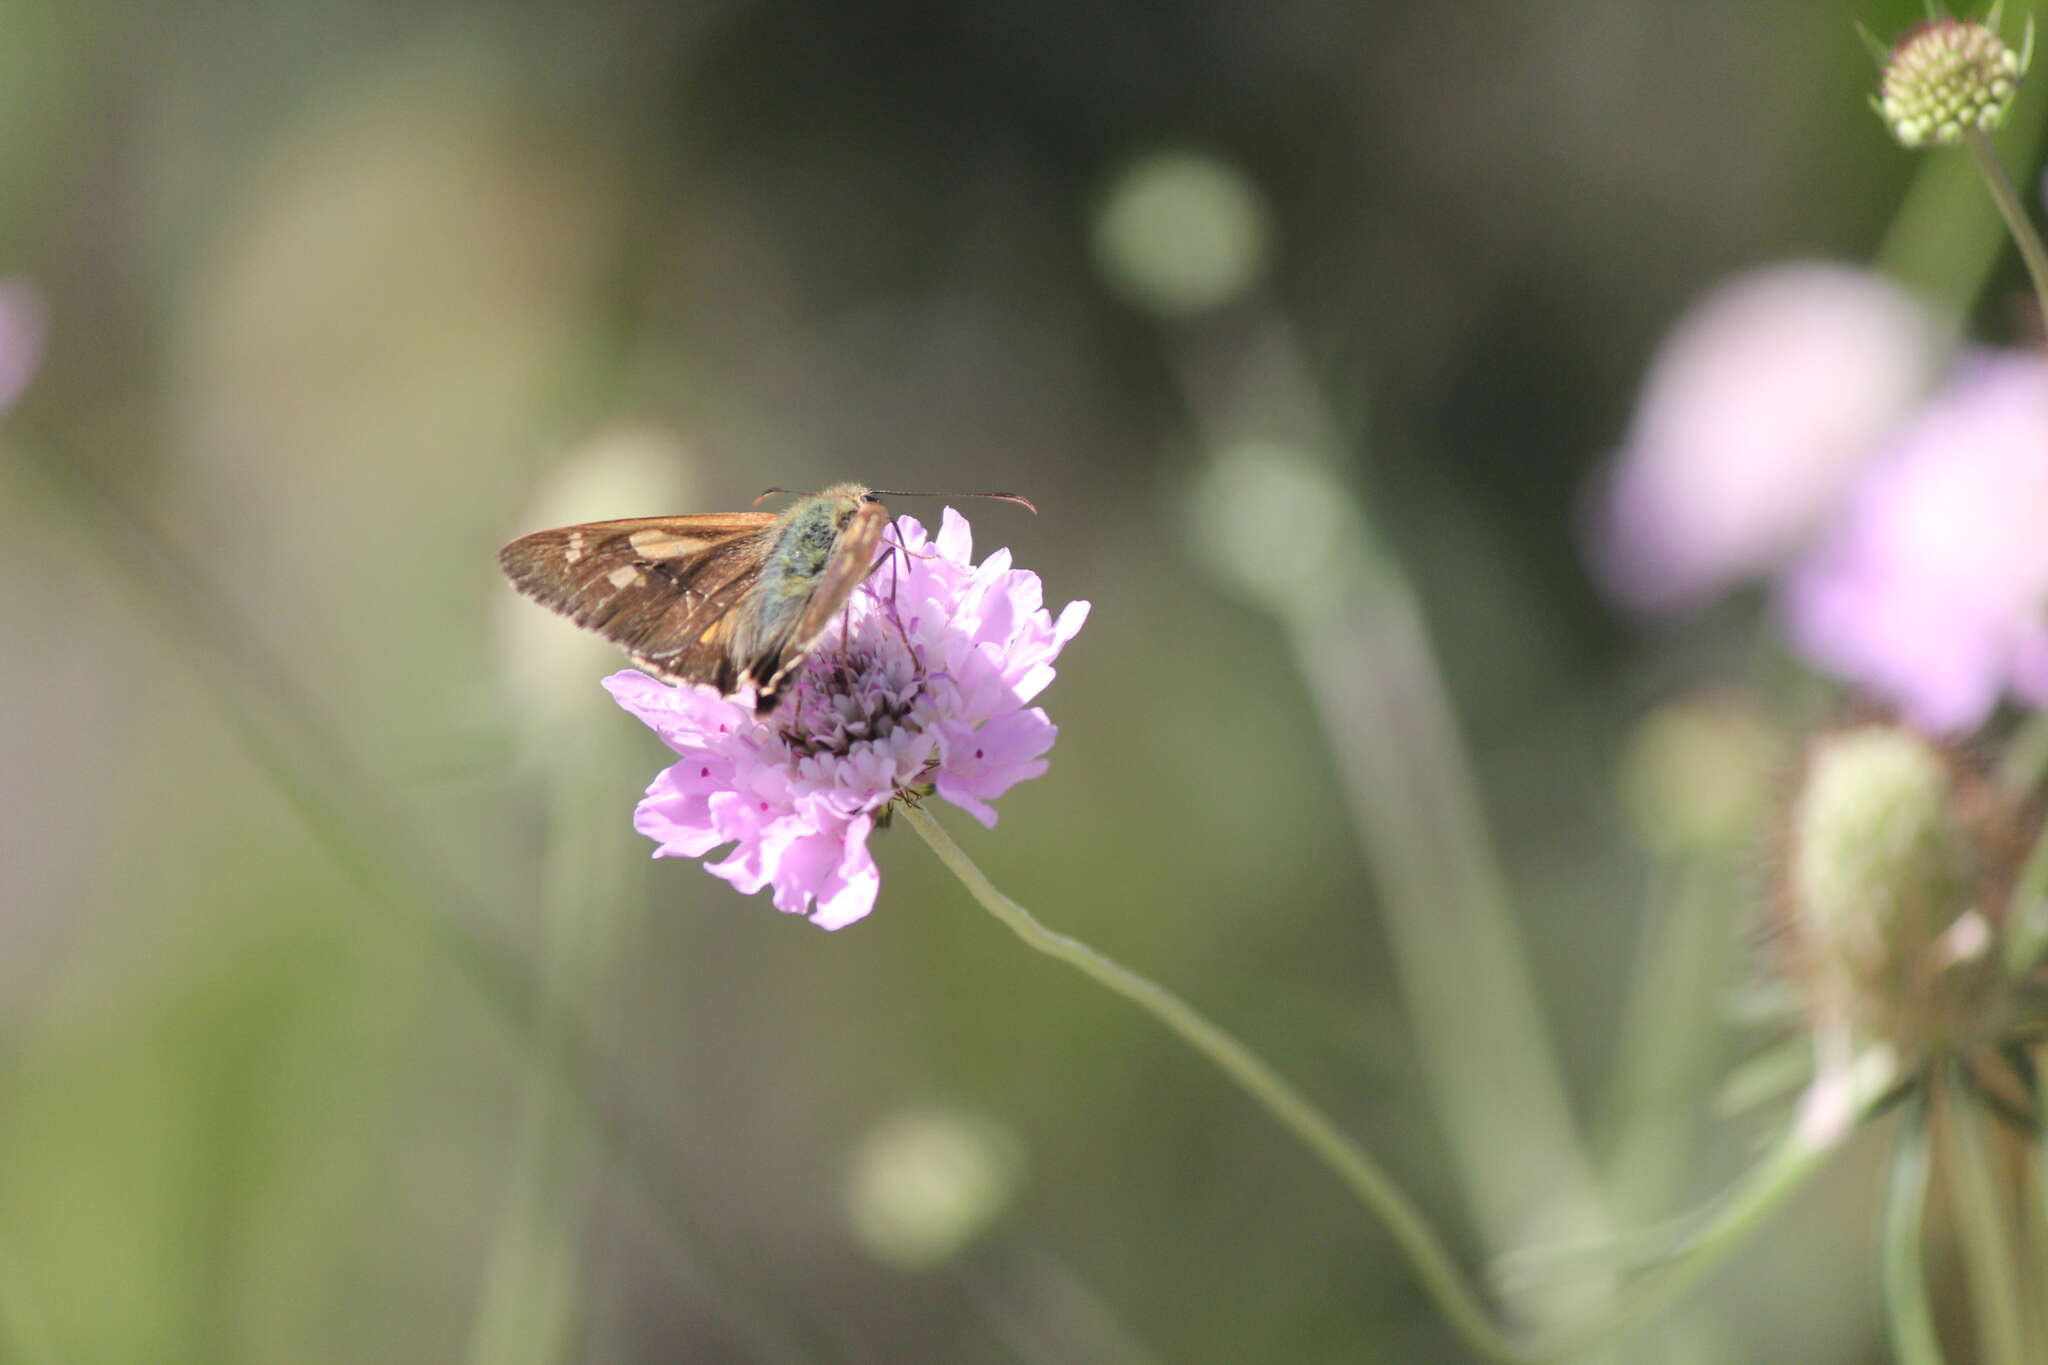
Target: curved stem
2014 211
1737 1216
1760 1195
1425 1251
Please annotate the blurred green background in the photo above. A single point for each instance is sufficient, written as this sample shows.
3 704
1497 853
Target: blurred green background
297 847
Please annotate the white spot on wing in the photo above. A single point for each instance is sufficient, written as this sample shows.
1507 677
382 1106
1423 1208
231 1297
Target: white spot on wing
574 551
624 576
649 543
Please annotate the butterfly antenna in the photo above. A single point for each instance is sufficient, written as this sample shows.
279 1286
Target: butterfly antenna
1017 498
767 495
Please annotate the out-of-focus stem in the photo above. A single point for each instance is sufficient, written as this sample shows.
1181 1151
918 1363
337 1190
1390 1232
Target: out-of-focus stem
1670 1037
369 841
527 1306
1990 1247
1361 643
1734 1219
2013 211
1488 1059
1944 241
1405 1223
2036 1215
1907 1312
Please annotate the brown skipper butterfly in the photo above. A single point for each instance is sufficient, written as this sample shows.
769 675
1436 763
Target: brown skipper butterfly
733 599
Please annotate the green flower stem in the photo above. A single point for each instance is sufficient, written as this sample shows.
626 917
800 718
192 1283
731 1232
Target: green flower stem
2027 913
1945 241
1426 1253
1990 1244
2014 211
1738 1216
1907 1311
1735 1218
2037 1220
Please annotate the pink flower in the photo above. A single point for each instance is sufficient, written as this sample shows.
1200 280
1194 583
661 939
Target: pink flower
1932 589
927 685
1757 411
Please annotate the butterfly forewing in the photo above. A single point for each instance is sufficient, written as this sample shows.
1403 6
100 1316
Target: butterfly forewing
660 587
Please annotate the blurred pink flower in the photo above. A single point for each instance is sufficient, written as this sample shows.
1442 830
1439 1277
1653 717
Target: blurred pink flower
927 686
1931 591
1757 409
22 330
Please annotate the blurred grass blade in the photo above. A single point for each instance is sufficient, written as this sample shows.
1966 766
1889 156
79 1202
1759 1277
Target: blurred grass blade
342 808
527 1308
1360 641
1671 1039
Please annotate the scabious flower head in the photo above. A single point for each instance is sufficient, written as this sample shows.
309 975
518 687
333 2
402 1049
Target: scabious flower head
924 684
1758 408
1931 591
1946 78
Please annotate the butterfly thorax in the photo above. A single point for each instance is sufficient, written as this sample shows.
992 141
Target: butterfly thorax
804 543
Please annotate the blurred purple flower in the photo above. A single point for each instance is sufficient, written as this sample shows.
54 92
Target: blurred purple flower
22 329
1758 408
928 685
1931 591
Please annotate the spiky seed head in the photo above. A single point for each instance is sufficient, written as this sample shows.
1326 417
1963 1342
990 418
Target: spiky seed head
1893 901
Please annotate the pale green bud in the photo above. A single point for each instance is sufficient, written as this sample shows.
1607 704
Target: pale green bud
1180 232
1277 523
1882 879
1947 78
1696 776
925 1183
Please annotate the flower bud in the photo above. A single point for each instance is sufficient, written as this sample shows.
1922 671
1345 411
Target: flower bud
1180 233
925 1183
1696 776
1946 78
1887 891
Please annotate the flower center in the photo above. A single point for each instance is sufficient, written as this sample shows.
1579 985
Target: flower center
851 697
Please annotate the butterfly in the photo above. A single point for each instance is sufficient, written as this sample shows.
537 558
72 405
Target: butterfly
733 599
